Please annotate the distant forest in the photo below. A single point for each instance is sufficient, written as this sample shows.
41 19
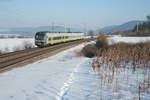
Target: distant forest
142 29
145 27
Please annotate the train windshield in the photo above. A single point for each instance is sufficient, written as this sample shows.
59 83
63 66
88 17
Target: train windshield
39 36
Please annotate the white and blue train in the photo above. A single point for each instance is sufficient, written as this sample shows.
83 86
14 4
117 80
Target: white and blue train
46 38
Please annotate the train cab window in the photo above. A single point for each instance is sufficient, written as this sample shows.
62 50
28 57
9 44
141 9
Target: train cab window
39 36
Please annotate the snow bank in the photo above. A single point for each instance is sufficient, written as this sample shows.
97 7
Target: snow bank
8 45
117 39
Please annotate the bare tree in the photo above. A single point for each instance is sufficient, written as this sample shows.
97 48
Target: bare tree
91 33
100 32
148 17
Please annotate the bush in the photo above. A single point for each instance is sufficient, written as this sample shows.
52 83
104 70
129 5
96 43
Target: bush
17 48
27 45
102 41
89 51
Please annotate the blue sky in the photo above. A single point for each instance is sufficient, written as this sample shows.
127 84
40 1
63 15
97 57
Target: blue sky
92 13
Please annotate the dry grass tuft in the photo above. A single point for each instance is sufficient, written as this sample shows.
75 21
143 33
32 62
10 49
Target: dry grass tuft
89 51
102 41
111 60
122 53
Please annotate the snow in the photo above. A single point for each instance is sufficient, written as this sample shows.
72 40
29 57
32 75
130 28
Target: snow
10 44
61 77
117 39
68 77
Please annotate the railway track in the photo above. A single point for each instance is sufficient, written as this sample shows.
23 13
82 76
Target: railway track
11 59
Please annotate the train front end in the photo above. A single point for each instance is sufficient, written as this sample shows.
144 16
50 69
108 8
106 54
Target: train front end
40 39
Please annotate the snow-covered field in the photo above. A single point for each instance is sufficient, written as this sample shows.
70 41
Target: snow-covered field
61 77
65 77
10 44
117 39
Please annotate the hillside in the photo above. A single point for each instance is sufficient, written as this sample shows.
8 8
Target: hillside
124 27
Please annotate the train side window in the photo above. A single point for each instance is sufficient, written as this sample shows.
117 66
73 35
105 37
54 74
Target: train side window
67 37
57 38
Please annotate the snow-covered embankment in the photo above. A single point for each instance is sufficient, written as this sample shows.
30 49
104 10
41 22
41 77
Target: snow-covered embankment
61 77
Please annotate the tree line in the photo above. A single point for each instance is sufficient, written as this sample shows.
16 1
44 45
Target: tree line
144 27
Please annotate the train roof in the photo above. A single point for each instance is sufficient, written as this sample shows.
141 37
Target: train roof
43 32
